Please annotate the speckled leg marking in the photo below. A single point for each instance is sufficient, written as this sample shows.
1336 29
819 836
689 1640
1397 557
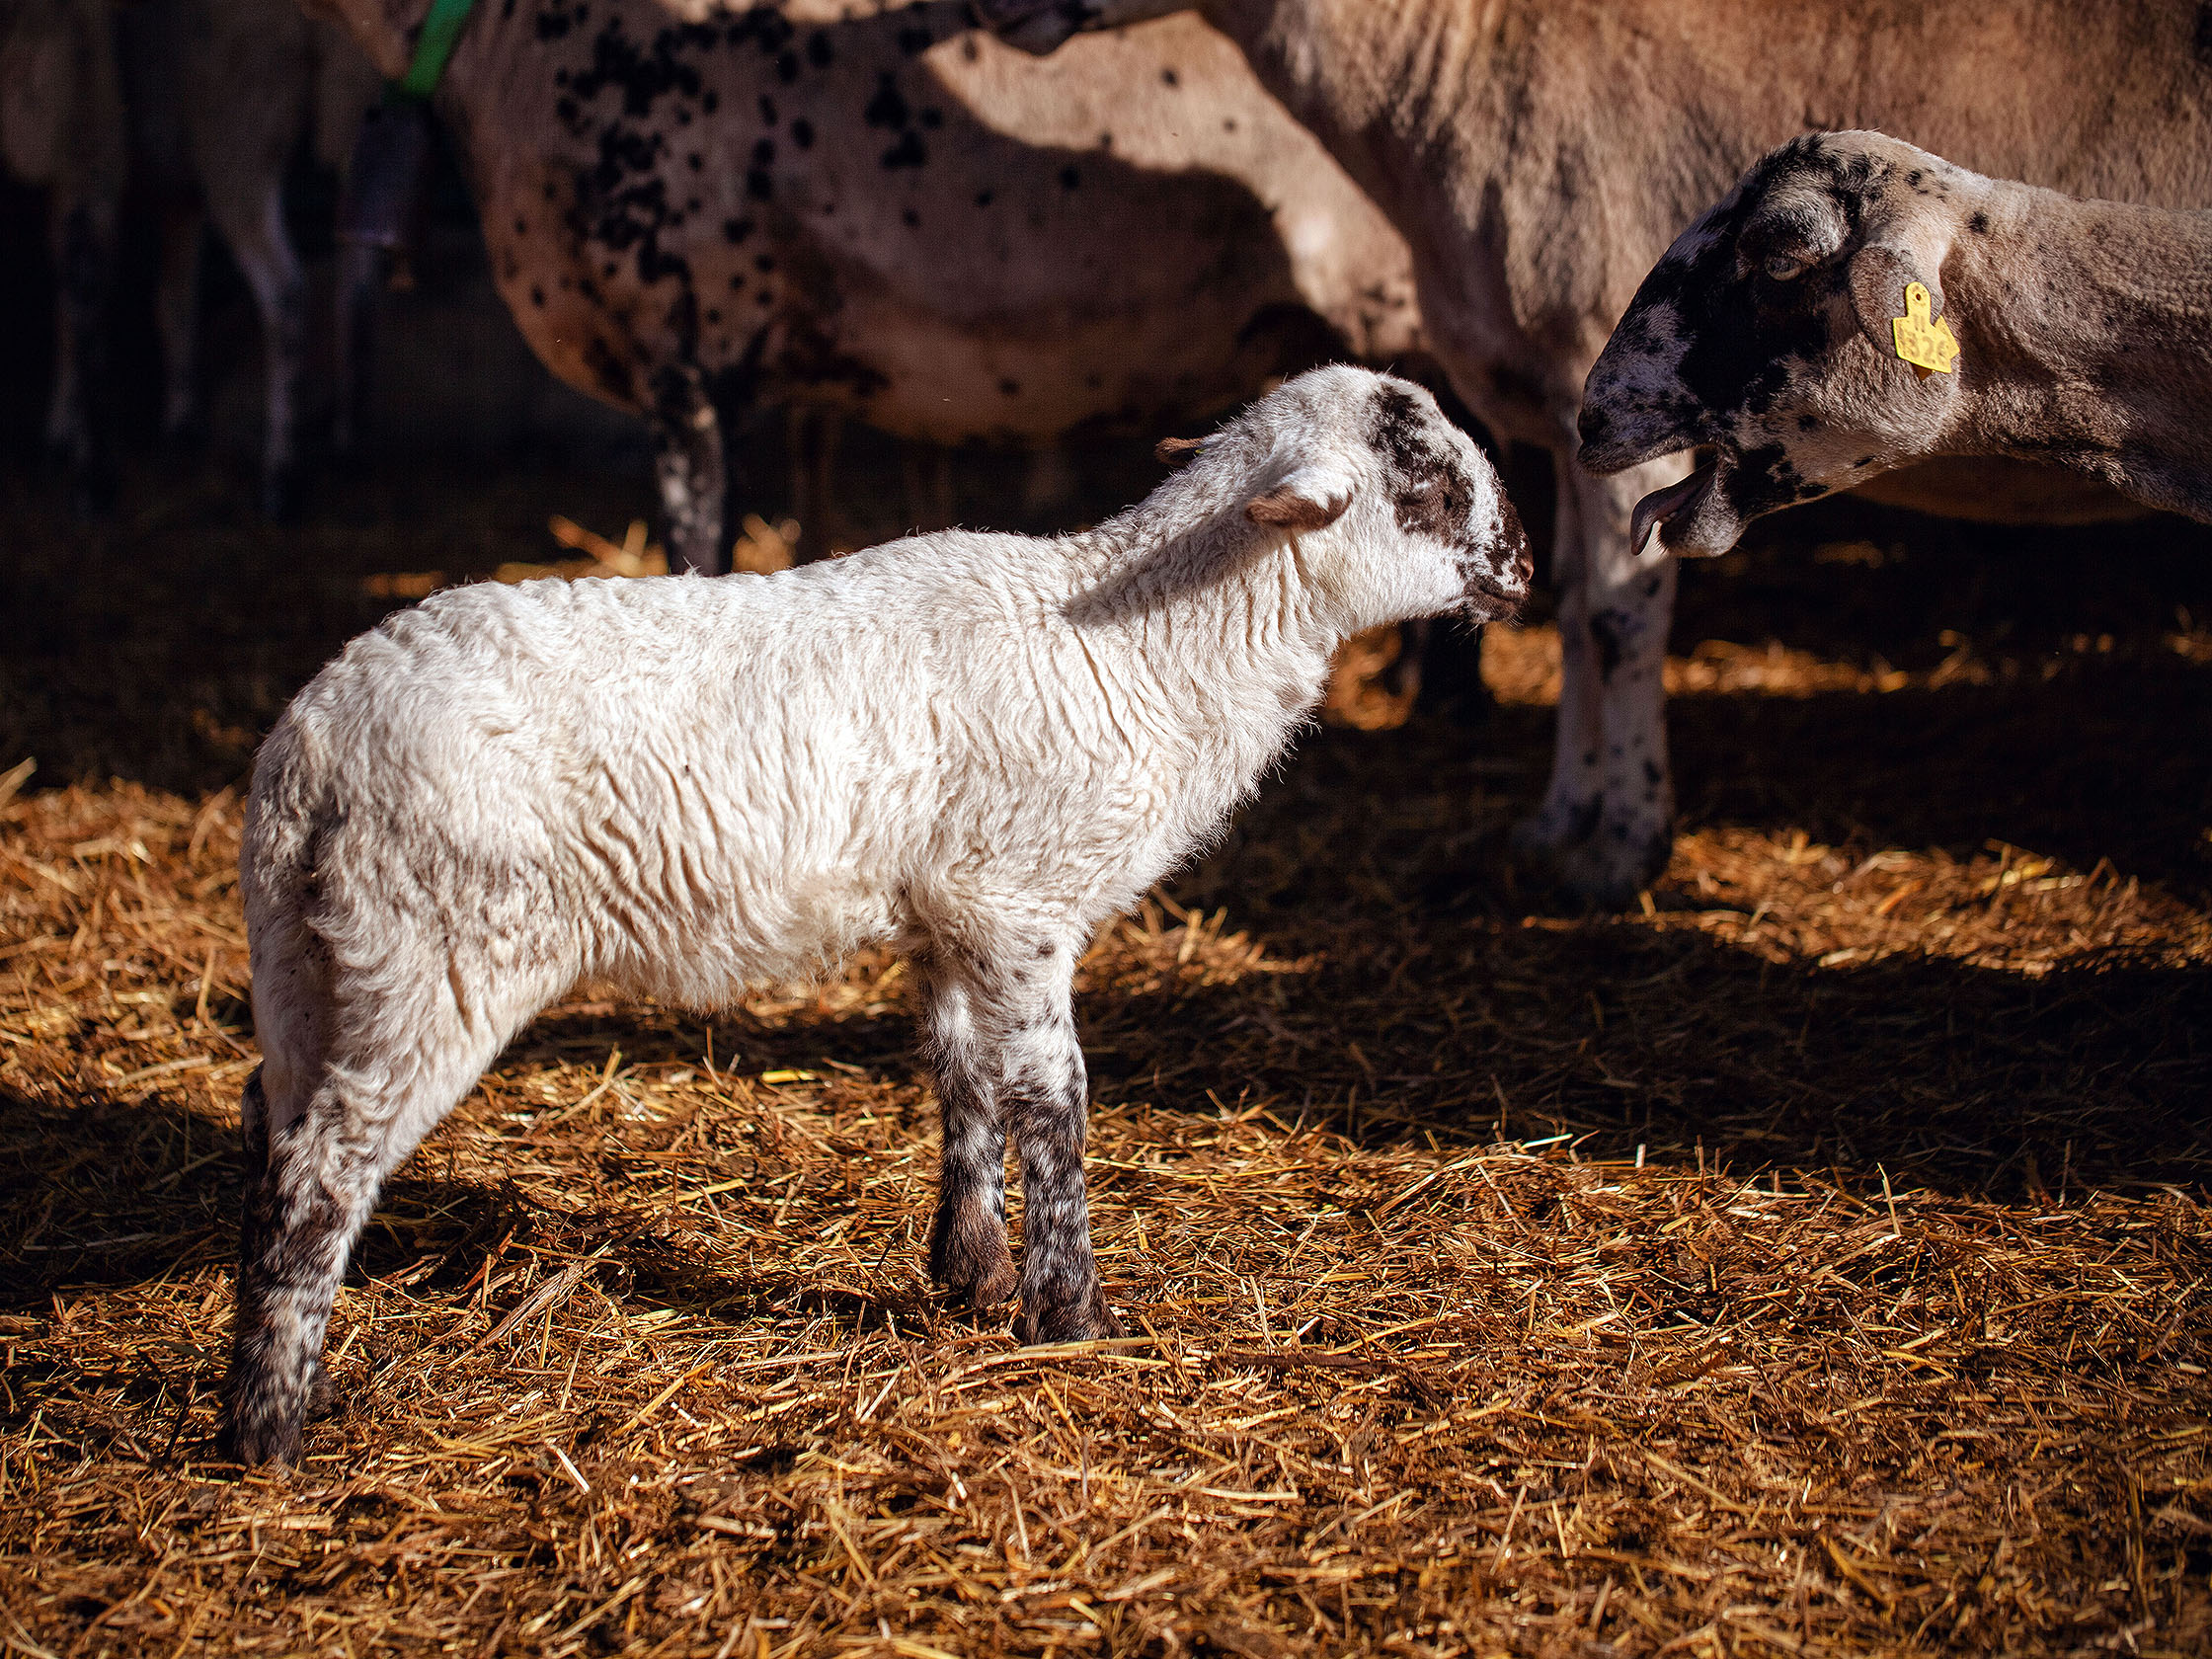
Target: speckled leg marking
968 1252
1608 821
316 1154
292 1243
689 460
1007 1057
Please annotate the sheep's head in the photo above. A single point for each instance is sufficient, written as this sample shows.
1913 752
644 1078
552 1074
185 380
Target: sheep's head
1764 337
1421 525
1041 26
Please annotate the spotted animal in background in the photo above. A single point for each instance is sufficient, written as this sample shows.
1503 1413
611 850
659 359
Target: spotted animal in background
897 217
1539 155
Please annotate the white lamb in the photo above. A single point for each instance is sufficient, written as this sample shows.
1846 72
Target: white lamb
977 747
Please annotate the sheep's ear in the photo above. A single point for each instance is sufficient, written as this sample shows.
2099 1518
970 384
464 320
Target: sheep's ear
1882 270
1171 450
1313 497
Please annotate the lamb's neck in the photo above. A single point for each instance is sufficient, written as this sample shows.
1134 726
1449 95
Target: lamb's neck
2085 331
1219 644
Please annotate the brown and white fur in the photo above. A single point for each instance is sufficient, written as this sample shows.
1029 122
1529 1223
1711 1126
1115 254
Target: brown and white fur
892 216
1765 333
1539 156
974 748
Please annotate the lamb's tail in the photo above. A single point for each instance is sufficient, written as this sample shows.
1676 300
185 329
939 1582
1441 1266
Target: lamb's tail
288 810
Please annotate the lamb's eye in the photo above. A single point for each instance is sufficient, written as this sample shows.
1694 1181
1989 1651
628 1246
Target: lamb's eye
1788 266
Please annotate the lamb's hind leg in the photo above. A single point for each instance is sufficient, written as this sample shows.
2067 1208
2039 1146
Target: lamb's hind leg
312 1177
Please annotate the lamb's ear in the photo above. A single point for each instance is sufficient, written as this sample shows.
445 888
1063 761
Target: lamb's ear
1884 267
1313 497
1171 450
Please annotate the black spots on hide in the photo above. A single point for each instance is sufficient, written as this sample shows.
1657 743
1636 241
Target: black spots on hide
1761 480
1430 493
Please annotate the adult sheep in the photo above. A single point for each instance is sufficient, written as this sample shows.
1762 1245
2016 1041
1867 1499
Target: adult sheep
975 748
192 109
1539 155
1794 329
896 217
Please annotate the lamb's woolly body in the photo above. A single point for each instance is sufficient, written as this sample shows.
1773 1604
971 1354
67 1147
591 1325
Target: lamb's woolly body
683 794
973 746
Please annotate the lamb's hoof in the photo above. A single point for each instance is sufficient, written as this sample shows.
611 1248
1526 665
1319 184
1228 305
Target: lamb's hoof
322 1394
253 1438
1078 1322
970 1260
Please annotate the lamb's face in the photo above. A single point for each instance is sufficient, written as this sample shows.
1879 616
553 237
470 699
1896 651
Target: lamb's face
1459 544
1762 338
1392 509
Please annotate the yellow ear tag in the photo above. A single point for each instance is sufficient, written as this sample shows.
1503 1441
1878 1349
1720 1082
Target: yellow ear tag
1928 345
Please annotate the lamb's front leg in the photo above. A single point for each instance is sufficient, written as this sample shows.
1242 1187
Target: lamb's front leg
968 1252
1003 1037
1048 1096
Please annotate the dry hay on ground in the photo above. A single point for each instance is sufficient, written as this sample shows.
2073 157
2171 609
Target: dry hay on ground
1815 1262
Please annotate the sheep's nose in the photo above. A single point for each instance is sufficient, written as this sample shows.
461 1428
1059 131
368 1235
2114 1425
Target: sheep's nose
1591 423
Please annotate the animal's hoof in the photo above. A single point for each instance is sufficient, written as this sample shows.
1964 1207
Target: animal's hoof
1608 872
968 1258
1544 837
322 1394
253 1439
1080 1321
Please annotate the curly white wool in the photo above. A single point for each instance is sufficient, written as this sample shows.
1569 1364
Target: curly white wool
973 746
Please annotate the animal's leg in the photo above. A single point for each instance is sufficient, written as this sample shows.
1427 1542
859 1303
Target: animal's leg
1571 802
1008 1036
360 270
321 1136
968 1252
1629 608
84 254
927 470
689 460
379 213
815 435
177 316
250 215
1047 1093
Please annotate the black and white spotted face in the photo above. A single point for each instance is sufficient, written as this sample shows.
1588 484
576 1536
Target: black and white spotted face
1441 489
1763 339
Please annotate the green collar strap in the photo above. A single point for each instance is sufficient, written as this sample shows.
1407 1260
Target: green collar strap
442 31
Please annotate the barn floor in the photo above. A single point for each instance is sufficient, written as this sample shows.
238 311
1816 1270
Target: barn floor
1814 1262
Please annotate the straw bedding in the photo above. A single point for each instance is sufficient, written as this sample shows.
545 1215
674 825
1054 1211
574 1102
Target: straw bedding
1814 1262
